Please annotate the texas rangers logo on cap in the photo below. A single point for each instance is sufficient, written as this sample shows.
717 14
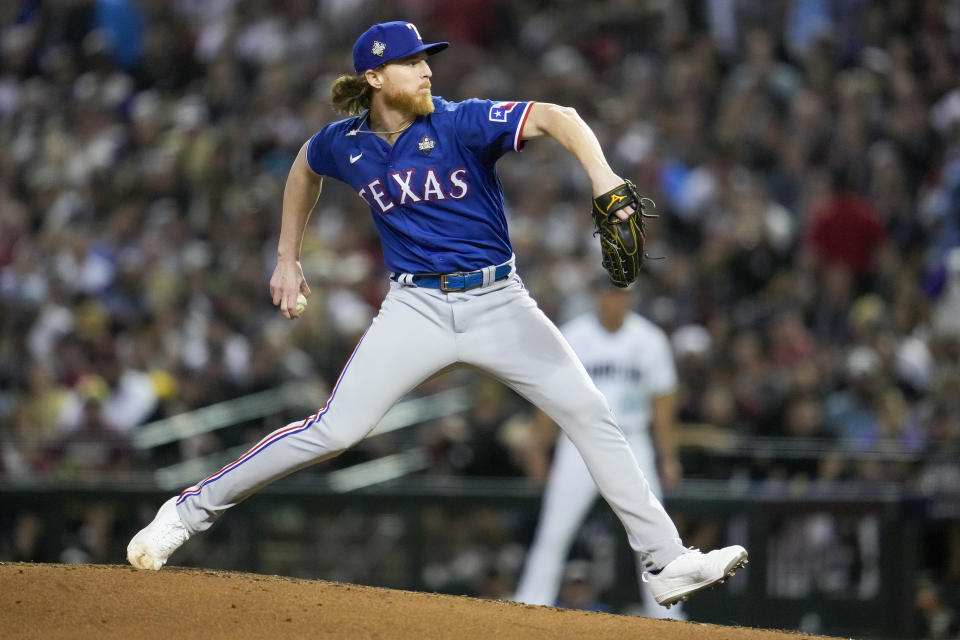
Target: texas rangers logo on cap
499 111
388 41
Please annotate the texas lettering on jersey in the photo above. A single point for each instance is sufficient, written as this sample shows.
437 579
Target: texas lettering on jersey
434 194
429 188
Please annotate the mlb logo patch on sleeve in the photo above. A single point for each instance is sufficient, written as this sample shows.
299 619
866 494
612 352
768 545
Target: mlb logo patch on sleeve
499 111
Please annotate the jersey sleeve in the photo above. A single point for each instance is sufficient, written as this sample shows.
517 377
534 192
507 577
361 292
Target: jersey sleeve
661 374
491 128
319 155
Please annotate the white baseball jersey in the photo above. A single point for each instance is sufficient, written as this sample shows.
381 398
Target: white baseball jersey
630 366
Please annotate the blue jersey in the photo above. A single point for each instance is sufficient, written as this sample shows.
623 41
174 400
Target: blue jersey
435 195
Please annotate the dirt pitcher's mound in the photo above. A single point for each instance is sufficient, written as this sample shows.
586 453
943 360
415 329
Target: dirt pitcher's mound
100 601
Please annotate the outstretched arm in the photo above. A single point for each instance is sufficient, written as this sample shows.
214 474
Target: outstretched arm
299 197
564 125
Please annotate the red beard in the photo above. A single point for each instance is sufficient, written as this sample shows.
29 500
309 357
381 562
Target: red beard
419 103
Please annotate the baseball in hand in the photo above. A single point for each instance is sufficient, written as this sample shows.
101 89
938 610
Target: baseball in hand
301 304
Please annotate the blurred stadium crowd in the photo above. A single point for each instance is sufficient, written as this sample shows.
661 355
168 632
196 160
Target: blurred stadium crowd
804 157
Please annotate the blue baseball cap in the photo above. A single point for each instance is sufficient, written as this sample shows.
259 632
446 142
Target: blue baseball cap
386 41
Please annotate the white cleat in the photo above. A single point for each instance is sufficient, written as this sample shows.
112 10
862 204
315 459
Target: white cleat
151 547
694 571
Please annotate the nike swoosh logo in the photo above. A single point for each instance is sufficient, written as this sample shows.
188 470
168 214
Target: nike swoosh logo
355 158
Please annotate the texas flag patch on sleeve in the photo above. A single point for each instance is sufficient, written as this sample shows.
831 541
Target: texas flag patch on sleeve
499 111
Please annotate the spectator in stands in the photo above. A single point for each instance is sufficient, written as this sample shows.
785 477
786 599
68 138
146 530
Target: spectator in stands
845 231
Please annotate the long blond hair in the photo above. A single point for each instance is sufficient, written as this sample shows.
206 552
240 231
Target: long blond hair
351 95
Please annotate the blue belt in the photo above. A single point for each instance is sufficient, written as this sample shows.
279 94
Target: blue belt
459 281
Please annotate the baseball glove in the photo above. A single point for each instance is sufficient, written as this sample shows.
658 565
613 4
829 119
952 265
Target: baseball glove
622 242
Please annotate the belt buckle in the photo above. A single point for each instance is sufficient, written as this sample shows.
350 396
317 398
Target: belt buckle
443 282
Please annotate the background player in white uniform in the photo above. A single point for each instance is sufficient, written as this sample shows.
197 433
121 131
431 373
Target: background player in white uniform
630 360
427 168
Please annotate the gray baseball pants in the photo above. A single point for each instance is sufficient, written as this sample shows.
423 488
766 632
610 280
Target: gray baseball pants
498 329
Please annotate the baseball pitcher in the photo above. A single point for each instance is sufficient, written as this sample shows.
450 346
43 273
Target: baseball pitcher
427 169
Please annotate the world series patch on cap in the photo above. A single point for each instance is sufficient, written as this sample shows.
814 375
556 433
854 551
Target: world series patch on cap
387 41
